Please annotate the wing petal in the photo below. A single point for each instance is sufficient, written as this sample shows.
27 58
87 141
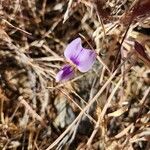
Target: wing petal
65 73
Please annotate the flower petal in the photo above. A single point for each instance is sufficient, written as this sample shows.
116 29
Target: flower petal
65 73
86 59
73 50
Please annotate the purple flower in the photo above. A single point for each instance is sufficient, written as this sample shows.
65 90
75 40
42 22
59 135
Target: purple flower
79 57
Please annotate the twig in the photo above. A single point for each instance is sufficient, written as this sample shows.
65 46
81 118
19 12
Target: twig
16 27
31 111
78 106
100 118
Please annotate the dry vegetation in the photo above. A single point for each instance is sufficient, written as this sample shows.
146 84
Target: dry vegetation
107 108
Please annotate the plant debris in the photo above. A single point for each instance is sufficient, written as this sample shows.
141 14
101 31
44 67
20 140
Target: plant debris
107 107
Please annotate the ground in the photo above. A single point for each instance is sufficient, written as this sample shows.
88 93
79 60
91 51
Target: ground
106 108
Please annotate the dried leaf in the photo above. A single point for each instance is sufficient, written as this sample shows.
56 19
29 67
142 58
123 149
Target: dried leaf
141 8
118 112
141 52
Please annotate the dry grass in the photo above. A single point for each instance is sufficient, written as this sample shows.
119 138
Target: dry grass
106 108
